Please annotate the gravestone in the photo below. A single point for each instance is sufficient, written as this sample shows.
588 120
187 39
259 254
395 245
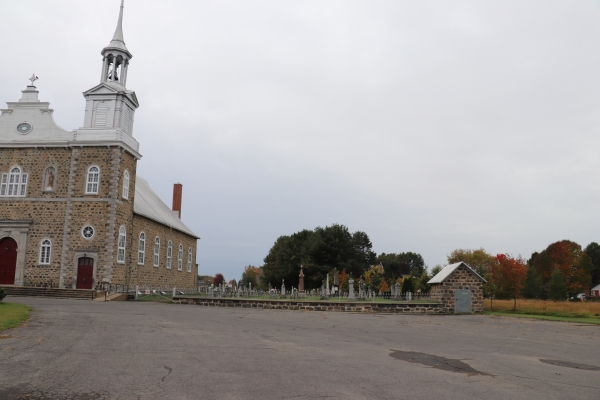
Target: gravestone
351 289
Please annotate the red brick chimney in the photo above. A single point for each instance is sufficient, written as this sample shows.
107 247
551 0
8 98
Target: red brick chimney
177 190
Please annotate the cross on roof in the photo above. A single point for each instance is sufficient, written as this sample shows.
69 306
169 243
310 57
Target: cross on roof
33 79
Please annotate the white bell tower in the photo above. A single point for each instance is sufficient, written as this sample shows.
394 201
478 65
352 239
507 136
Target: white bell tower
110 107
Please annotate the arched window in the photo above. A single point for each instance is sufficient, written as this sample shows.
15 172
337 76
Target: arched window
125 193
156 251
14 183
180 258
45 250
190 260
141 248
169 254
121 245
93 179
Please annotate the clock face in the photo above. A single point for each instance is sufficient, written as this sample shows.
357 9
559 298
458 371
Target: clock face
24 128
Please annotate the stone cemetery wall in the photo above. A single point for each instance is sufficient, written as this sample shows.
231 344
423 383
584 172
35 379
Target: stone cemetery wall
396 308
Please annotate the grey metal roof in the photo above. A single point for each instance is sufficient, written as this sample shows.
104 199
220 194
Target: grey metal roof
448 270
148 204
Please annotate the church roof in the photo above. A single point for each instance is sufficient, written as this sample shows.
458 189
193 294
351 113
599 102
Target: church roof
448 270
147 204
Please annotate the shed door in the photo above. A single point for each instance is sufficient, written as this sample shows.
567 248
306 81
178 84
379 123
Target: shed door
85 272
8 261
463 301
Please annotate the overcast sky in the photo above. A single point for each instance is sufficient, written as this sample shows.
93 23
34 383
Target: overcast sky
430 125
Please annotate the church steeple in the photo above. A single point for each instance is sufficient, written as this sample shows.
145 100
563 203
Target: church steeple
110 107
115 56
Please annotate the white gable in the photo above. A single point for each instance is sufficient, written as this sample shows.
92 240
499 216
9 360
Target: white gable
448 270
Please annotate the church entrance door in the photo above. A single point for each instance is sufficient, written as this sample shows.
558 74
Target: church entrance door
85 273
8 261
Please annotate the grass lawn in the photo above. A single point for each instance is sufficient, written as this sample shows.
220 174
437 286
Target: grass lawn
12 314
571 311
547 316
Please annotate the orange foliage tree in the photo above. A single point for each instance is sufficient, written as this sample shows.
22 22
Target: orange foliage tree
383 286
568 257
508 275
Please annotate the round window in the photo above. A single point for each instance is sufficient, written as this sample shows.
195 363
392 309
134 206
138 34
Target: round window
87 232
24 128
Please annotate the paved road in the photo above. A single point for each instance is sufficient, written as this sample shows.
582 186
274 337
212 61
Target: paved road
77 349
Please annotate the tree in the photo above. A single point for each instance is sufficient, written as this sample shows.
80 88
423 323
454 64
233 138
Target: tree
480 260
421 283
407 286
436 270
250 276
393 261
344 281
383 286
533 288
207 279
593 251
508 275
318 251
557 288
568 257
373 277
218 279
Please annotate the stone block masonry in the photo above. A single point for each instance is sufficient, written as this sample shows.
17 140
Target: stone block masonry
363 307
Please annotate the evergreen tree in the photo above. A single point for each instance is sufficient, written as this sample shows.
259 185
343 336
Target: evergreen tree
407 286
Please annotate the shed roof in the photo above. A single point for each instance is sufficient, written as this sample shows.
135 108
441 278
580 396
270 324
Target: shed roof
448 270
148 204
597 287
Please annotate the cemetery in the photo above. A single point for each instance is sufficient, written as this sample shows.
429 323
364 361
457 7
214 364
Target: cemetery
455 289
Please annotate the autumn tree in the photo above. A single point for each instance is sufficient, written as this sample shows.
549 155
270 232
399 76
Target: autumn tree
480 260
573 263
218 279
251 275
383 286
508 275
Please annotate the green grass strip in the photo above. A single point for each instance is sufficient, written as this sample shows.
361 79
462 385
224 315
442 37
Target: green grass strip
548 317
12 314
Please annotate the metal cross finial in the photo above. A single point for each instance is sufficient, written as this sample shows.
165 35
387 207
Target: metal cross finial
33 79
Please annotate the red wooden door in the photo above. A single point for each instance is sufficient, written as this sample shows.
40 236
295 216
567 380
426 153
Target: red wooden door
85 273
8 261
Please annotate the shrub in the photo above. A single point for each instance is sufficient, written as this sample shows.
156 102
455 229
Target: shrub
2 294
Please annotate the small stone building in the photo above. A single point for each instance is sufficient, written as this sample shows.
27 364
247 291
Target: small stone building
73 212
459 288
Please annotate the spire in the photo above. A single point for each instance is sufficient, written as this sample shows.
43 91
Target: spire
117 41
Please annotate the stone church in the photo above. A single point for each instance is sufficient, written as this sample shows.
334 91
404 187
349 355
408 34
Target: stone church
73 212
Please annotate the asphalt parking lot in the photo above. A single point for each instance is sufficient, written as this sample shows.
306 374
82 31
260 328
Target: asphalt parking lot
76 349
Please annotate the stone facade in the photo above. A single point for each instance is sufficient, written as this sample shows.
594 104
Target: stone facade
462 278
60 214
147 274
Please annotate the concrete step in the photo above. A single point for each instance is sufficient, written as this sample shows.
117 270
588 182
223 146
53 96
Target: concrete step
111 297
47 292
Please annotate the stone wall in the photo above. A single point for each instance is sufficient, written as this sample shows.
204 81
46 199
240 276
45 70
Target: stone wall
395 308
461 278
148 275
